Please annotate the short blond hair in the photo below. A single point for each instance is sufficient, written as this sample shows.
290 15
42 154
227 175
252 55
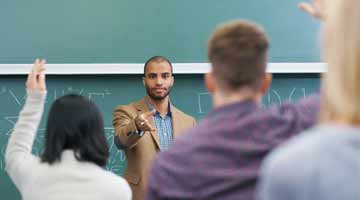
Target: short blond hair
341 100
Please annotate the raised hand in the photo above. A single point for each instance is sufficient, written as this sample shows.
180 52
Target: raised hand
316 9
36 78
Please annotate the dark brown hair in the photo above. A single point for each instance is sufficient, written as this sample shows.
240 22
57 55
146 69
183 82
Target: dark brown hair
75 123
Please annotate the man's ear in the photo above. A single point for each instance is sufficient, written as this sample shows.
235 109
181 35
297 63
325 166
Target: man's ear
172 81
143 80
210 82
266 83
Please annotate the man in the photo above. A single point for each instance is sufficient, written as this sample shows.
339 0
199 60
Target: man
149 125
220 158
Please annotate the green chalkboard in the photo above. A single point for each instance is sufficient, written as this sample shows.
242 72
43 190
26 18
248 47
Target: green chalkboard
108 91
130 31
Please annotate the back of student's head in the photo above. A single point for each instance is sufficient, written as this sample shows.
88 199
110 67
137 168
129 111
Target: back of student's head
237 51
75 123
342 53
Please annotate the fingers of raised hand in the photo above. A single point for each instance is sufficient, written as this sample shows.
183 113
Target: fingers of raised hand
36 78
315 9
307 8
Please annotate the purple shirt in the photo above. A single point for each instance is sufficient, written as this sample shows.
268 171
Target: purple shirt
220 158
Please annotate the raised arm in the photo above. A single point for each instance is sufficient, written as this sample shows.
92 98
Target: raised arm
317 8
18 152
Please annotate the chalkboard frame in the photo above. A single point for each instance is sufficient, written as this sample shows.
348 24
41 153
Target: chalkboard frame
137 68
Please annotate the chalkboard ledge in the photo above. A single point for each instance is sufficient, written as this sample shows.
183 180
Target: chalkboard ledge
137 68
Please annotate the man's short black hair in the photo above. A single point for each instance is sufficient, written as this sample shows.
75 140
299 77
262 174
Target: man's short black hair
157 59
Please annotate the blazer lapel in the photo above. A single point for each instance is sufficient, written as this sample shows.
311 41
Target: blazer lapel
141 106
176 121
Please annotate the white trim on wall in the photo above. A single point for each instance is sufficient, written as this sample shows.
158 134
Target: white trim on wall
137 68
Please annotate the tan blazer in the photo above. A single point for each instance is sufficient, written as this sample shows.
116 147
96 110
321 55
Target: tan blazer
140 151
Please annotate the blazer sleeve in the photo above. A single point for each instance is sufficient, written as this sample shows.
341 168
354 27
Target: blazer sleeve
126 133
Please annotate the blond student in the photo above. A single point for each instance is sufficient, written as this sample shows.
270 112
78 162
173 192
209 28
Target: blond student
324 163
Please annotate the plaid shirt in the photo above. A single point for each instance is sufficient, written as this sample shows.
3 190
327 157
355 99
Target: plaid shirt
220 158
163 127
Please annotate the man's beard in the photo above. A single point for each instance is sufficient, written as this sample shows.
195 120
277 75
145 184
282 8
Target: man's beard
157 97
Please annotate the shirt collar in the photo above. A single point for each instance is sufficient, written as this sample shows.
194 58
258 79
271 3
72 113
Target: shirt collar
241 106
151 107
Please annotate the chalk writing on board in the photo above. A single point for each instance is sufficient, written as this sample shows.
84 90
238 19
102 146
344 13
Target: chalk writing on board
117 157
2 162
3 90
97 94
115 161
303 90
66 91
71 90
16 99
201 96
12 120
1 165
276 94
272 97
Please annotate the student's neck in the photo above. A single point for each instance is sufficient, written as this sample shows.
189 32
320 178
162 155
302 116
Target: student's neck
223 99
162 105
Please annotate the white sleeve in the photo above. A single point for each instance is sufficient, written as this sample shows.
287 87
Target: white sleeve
18 155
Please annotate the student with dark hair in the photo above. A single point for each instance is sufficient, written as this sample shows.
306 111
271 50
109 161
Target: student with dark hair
71 166
83 132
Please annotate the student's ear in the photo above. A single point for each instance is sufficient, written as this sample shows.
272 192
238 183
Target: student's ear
266 83
210 83
143 80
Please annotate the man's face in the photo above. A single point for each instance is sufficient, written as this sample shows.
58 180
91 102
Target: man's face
158 80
